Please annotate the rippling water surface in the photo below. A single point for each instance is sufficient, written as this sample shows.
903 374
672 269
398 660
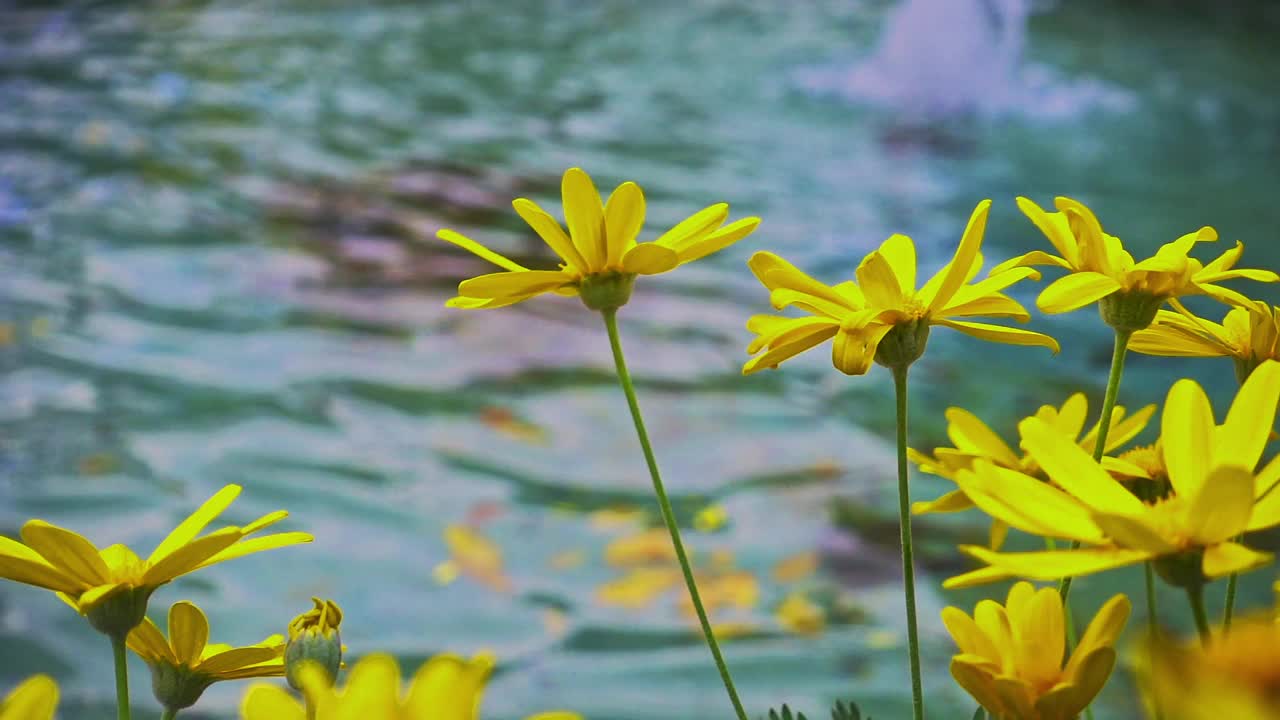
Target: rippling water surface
216 223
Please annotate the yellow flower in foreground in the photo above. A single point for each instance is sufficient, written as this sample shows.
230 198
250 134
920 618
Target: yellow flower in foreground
1011 657
35 699
446 687
1214 495
185 665
599 254
859 315
1249 335
1100 267
975 440
111 586
1236 676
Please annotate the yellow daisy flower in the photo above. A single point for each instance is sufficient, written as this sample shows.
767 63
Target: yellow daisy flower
859 315
1214 496
36 698
1011 657
974 440
1249 335
111 586
1234 677
185 665
446 687
1099 267
599 255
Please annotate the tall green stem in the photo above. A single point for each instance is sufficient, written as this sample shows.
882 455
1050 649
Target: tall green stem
169 714
668 515
1195 596
1104 423
904 525
1230 607
122 678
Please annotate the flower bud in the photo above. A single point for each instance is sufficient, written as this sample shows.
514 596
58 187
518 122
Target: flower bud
314 639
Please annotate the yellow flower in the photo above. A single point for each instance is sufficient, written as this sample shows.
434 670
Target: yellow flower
1236 676
1249 335
1010 657
1214 495
974 440
600 256
446 687
1099 267
314 638
36 698
111 586
859 315
185 665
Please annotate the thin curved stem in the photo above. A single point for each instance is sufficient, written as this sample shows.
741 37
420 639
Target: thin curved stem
668 515
1229 609
904 524
1195 596
122 678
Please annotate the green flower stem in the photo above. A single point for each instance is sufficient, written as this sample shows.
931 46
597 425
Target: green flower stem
1230 607
169 714
1153 625
1195 596
668 515
904 524
1104 424
122 678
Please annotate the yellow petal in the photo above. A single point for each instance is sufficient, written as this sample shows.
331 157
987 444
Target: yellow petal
776 273
584 215
1220 508
954 501
267 702
1055 228
1000 334
446 686
1249 422
980 684
853 352
1089 678
981 576
694 228
550 231
1167 341
38 573
1053 564
997 305
236 658
1027 503
1035 257
785 331
623 218
1103 631
1074 291
1040 637
258 544
969 433
479 250
188 632
781 353
95 595
1076 471
1132 532
35 699
966 253
190 556
188 529
1187 429
968 637
506 284
70 552
149 643
900 252
649 259
1123 429
1070 418
1229 557
878 282
719 240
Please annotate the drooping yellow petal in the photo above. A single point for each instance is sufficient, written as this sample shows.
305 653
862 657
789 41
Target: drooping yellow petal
962 263
1001 334
35 699
188 529
188 632
623 218
1074 291
1076 471
267 702
550 231
649 259
584 215
479 250
38 573
70 552
783 332
783 352
1187 429
853 352
954 501
507 284
1052 564
980 684
1249 422
1226 558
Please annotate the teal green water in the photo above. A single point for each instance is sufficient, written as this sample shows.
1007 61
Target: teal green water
215 222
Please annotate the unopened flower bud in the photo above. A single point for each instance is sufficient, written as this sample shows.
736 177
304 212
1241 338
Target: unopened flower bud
314 638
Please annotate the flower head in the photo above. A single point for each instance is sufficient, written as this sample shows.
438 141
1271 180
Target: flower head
1236 676
599 255
1249 335
1011 657
36 698
314 638
1099 268
883 315
1213 495
111 586
974 440
184 665
446 687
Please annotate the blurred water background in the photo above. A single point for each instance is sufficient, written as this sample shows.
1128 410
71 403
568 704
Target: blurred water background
215 234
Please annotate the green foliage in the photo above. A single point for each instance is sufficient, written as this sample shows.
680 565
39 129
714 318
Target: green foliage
842 711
